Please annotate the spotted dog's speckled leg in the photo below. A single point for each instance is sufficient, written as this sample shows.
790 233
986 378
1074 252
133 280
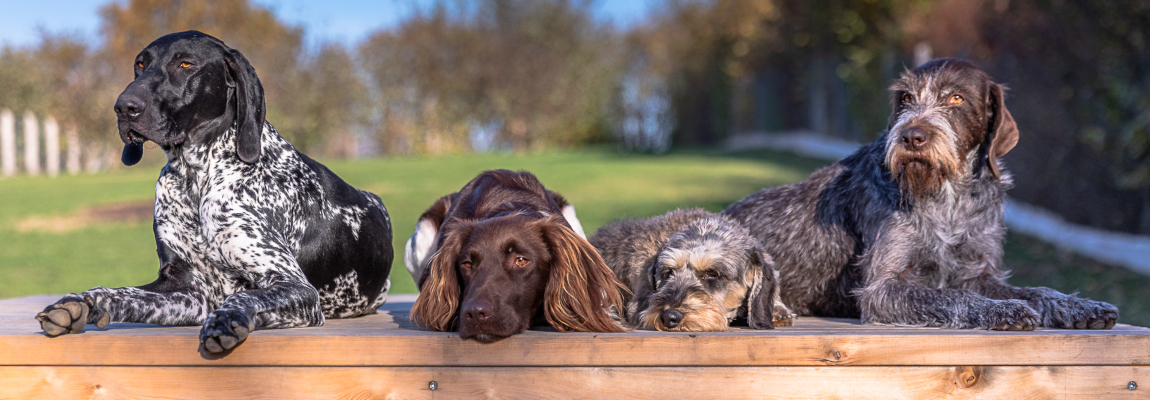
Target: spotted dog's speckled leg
173 299
285 304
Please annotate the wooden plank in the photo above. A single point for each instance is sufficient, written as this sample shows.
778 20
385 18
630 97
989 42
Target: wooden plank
389 339
617 383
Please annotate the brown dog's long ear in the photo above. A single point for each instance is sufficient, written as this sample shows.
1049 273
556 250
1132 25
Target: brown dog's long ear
437 306
250 111
764 291
1002 132
582 293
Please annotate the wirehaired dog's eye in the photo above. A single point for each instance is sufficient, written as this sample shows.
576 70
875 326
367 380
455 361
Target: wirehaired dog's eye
956 99
465 264
185 64
520 261
710 274
906 98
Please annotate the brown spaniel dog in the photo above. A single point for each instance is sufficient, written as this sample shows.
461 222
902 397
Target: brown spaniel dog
508 256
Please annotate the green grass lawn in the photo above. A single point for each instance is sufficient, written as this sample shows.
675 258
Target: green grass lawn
602 184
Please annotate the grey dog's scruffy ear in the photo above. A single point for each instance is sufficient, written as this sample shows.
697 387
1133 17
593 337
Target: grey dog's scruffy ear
764 291
1002 132
250 109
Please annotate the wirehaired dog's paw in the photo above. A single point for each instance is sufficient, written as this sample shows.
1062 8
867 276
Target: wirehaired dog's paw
1009 315
224 329
70 314
1079 313
783 316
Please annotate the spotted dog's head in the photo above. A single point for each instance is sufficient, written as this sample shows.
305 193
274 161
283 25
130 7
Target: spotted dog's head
949 121
707 274
190 87
491 277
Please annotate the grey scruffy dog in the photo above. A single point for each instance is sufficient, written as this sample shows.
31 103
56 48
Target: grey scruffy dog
908 230
692 270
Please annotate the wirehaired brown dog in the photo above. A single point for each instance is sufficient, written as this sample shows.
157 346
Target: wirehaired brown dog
507 256
692 270
908 230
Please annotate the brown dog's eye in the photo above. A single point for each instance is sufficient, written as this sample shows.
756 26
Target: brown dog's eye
520 261
956 99
710 274
185 64
906 98
140 64
465 264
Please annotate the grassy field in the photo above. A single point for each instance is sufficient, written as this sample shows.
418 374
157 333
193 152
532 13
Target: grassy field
71 233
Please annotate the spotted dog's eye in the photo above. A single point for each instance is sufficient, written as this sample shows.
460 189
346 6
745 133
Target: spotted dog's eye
465 264
956 99
906 98
140 64
710 274
520 261
185 64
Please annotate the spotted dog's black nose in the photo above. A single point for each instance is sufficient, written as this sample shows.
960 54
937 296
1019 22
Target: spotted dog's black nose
671 318
477 310
914 138
128 107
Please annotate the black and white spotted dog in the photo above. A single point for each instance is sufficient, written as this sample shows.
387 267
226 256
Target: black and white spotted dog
692 270
249 231
908 230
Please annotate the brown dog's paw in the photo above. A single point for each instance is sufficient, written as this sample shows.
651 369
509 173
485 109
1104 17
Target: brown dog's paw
224 329
70 314
1010 315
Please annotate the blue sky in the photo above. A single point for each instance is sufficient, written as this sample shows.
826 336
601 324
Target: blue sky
344 21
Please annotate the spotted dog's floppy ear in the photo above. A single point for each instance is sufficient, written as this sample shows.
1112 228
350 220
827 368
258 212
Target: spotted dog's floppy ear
1002 132
581 289
764 291
250 109
437 306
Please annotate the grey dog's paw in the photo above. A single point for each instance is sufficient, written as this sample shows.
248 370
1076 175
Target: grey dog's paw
224 329
70 314
1009 315
1079 313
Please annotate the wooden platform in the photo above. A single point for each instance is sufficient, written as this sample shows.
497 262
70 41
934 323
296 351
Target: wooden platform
385 356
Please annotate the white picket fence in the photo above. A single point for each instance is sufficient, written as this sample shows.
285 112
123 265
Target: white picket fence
32 142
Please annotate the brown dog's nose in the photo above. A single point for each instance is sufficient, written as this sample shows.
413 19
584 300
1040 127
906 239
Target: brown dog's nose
914 138
477 310
671 318
128 107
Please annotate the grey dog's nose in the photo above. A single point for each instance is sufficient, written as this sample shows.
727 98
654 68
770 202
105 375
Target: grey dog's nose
671 318
477 310
128 107
914 137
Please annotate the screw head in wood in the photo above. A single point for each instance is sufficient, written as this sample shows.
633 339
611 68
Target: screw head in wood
432 385
1132 385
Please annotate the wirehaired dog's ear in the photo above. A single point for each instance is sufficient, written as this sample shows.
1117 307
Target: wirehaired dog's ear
250 109
764 291
437 306
1002 132
581 290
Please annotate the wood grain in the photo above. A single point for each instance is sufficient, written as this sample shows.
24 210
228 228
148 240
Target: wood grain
615 383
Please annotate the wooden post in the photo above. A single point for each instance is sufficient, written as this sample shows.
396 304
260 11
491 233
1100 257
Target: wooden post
31 144
7 142
72 141
51 146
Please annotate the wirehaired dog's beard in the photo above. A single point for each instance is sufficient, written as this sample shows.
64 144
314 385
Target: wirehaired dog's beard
921 174
700 314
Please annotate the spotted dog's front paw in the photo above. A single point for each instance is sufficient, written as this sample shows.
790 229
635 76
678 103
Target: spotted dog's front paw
1009 315
224 329
1079 313
70 314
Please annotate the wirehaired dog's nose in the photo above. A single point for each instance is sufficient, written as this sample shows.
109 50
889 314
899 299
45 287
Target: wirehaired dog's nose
128 107
671 318
914 137
477 310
